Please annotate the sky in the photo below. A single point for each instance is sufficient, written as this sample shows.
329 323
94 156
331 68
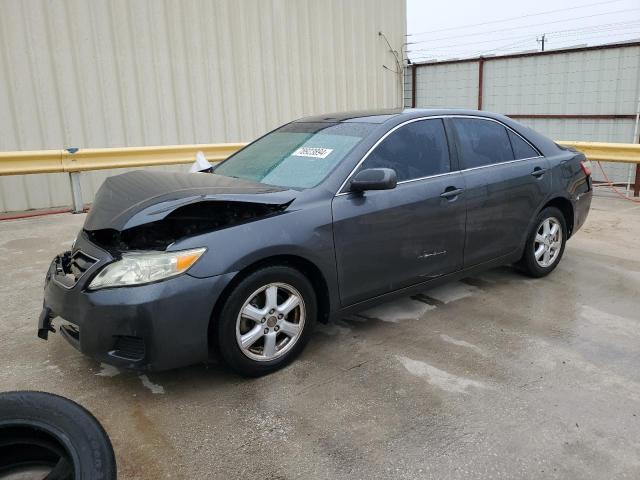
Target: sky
439 30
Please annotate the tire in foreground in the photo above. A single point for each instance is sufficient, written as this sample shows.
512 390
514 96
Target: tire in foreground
48 436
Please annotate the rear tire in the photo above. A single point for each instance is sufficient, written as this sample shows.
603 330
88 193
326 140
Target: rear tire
545 243
266 320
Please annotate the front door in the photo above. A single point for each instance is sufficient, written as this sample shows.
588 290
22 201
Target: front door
390 239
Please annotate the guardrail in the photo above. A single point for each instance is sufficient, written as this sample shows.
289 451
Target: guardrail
607 152
81 160
612 152
73 161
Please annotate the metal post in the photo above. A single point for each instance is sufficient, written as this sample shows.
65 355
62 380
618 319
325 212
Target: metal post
76 192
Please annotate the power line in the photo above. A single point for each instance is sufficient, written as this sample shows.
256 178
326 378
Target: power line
505 48
561 33
430 54
509 47
515 18
458 52
527 26
604 26
448 53
523 39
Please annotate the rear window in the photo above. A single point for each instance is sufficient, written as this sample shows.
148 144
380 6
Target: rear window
298 155
521 149
482 142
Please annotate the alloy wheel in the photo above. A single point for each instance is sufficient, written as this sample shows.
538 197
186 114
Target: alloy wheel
270 322
548 242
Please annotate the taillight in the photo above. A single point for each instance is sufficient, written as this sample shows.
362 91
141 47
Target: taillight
586 167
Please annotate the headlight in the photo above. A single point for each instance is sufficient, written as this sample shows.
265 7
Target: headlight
138 268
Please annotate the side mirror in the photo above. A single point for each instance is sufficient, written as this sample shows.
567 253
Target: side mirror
374 179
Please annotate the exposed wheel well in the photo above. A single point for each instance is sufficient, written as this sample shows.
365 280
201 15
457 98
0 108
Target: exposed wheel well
566 208
303 265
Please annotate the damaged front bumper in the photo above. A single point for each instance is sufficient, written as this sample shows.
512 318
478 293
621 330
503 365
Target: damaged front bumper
155 326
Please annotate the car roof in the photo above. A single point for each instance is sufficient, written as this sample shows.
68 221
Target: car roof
384 115
388 118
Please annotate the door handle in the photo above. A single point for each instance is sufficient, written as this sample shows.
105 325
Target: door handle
451 192
538 172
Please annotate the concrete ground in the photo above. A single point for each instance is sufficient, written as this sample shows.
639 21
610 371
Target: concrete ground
496 376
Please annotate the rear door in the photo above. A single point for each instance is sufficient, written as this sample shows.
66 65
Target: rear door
389 239
506 180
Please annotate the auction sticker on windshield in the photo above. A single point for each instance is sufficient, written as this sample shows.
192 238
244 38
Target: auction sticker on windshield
313 152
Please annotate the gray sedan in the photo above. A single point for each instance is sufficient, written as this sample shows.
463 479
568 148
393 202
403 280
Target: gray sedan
319 218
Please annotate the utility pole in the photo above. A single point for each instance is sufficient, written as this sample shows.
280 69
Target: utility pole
541 40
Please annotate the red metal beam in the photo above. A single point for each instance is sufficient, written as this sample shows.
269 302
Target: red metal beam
413 86
576 116
480 80
636 187
37 213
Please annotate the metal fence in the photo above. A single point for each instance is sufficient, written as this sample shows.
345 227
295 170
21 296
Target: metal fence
580 94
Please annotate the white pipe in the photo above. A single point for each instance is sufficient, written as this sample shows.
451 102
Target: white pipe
635 140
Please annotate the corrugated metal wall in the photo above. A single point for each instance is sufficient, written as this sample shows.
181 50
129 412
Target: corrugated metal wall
112 73
452 85
587 82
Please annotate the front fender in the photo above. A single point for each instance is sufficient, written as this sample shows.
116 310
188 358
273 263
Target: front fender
306 233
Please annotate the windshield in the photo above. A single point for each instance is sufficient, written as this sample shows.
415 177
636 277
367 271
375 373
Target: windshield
298 155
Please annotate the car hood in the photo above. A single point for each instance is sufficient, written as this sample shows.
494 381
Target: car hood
135 198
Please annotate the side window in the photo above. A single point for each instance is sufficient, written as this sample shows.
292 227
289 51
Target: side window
418 149
521 149
482 142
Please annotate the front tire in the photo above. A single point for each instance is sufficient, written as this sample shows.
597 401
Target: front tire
545 244
266 320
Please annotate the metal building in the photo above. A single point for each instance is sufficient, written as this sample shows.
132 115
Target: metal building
578 94
115 73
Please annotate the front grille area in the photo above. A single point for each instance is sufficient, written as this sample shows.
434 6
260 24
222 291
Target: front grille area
70 267
79 263
129 348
